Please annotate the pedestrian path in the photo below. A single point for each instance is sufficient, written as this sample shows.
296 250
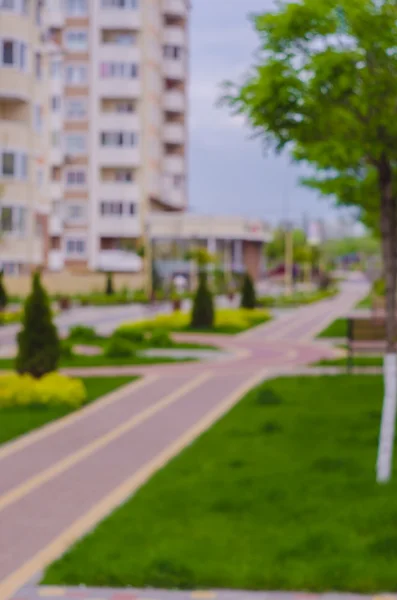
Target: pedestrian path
58 482
31 593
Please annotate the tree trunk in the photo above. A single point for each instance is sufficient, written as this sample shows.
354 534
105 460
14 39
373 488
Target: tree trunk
389 250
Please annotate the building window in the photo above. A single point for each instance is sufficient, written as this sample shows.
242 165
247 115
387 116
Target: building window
119 138
75 247
40 178
9 164
172 52
56 103
23 53
8 52
123 176
12 219
75 143
13 54
76 178
37 61
76 74
116 209
76 109
76 40
76 7
56 139
121 70
17 6
38 12
75 212
120 38
124 106
56 69
13 165
125 4
38 118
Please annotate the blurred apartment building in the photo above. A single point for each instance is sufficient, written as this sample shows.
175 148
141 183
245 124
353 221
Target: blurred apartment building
93 136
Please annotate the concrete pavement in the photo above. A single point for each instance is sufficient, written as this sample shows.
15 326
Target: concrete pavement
58 482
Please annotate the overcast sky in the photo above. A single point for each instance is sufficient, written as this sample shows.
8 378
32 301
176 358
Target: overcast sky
228 171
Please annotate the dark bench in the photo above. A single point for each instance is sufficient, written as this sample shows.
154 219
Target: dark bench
364 334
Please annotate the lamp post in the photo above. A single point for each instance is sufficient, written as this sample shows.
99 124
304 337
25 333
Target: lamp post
288 259
148 259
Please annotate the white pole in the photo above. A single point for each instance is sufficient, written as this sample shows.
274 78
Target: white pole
386 439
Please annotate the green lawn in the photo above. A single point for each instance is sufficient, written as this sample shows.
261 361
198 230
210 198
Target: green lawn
365 302
7 364
337 329
359 361
20 420
278 495
297 298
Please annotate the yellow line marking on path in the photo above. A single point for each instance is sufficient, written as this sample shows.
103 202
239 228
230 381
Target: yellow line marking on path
71 460
51 428
51 591
99 511
204 595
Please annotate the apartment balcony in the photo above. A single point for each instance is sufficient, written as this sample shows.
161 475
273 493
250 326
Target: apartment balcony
119 261
15 248
14 134
119 157
56 260
172 195
116 18
174 133
174 164
56 190
174 69
118 191
175 36
57 156
55 226
54 15
131 88
15 86
175 101
113 121
119 226
116 52
176 7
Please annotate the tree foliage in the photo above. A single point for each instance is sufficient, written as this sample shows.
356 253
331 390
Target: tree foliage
38 342
3 293
109 290
248 294
203 313
324 88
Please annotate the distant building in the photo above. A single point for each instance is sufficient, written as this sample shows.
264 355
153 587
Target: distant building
236 242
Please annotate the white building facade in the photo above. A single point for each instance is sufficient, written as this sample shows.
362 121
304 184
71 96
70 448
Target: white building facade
118 113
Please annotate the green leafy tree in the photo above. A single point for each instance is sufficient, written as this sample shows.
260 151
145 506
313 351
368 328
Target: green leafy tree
325 89
3 293
38 342
109 285
203 314
248 295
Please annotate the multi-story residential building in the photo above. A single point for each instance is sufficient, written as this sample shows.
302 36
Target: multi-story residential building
23 137
118 82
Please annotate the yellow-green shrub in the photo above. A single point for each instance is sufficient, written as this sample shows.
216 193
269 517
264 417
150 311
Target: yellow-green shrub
53 389
9 318
227 320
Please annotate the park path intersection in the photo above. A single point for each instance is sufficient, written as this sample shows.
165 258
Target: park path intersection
59 481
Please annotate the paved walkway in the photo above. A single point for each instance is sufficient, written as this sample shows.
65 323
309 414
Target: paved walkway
133 594
58 482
